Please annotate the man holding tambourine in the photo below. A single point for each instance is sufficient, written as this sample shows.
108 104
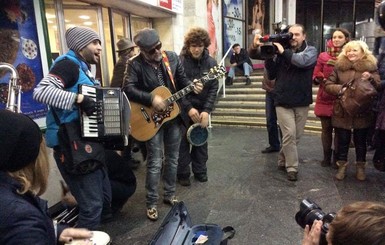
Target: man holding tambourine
197 63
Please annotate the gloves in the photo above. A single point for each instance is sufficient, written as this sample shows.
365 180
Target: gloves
88 105
319 78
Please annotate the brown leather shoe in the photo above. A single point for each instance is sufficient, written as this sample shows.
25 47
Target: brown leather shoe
292 176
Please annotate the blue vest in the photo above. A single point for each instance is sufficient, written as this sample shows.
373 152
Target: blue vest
67 115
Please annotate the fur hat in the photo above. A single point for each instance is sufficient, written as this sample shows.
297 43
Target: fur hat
124 44
79 37
20 139
146 38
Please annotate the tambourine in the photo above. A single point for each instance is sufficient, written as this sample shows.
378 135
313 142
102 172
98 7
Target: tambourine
197 135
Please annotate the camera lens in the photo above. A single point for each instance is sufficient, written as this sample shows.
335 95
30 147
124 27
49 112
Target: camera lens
309 211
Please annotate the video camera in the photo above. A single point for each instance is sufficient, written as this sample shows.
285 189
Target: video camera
310 211
268 50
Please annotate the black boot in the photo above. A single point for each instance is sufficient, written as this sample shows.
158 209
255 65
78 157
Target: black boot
229 81
248 81
326 162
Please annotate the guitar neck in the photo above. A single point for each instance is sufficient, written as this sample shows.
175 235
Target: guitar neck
181 93
188 89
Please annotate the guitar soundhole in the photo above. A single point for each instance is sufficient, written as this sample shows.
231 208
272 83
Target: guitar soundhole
158 117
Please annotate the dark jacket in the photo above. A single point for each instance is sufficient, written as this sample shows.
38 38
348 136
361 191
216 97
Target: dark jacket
344 72
241 58
196 69
118 74
380 108
293 72
23 218
140 79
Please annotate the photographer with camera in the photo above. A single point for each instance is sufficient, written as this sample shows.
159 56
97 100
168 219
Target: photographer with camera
359 223
292 68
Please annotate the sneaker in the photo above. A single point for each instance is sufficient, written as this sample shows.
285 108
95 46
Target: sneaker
292 176
184 181
248 81
152 214
170 200
282 168
201 177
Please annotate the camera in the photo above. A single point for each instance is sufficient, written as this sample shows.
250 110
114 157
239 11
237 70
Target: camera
268 50
310 211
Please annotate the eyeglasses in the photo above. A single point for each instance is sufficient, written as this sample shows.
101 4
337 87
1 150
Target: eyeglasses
152 51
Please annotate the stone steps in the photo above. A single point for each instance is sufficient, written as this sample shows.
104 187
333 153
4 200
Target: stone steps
244 106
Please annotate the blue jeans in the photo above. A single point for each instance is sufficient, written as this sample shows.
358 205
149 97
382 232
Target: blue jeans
271 121
168 137
92 192
246 68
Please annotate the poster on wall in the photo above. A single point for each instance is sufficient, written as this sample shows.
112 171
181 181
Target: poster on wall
20 47
213 28
233 23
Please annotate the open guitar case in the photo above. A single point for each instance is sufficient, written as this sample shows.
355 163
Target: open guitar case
177 229
63 214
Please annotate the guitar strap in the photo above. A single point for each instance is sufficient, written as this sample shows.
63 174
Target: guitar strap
167 64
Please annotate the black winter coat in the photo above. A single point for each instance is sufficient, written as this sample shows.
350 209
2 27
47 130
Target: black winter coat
196 69
242 57
293 73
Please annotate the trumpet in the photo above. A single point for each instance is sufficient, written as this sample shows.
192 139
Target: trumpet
14 89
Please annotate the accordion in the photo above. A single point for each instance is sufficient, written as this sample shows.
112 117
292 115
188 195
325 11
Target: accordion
110 123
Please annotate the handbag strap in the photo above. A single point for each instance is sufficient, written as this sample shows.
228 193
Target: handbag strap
55 116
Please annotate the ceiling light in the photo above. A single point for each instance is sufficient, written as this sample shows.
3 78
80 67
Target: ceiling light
84 17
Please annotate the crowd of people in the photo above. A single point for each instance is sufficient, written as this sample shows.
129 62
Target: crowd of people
102 191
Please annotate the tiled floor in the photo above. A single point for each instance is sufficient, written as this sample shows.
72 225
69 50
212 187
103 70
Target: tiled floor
245 190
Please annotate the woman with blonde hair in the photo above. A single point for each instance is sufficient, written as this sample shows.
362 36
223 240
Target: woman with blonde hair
24 169
356 62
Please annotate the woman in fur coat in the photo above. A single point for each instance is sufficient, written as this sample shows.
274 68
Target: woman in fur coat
354 63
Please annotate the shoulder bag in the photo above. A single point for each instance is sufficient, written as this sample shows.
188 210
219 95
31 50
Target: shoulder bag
79 156
358 96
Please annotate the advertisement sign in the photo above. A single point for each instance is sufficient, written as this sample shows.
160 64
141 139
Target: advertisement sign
233 23
175 6
166 4
20 47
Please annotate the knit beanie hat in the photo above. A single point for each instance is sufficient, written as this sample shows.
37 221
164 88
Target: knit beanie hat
20 139
78 37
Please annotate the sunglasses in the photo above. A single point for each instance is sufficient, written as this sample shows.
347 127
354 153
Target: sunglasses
152 51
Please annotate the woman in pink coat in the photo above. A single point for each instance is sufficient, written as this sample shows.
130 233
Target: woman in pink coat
324 102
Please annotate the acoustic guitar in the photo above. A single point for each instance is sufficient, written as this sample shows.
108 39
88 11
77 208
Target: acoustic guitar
146 121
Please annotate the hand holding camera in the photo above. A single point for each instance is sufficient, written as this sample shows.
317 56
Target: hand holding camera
307 216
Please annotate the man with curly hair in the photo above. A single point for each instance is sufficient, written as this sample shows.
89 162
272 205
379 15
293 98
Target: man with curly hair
197 63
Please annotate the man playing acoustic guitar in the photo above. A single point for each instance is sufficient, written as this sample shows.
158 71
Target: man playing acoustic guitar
149 77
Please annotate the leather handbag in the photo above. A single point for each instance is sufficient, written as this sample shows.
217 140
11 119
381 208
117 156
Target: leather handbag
357 97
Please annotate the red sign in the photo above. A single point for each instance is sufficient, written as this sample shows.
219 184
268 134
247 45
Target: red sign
166 4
